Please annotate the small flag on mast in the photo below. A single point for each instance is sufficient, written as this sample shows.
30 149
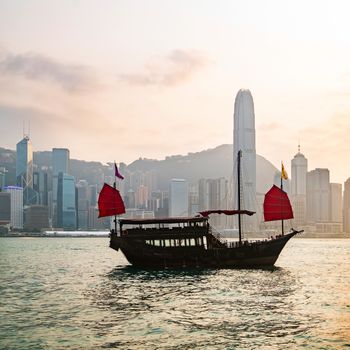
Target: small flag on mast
284 174
117 173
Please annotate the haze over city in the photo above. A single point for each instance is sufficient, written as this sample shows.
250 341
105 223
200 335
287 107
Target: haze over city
156 78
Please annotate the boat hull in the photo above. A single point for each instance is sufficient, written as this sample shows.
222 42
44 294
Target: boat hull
247 255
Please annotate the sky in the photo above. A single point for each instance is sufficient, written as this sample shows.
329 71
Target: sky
124 79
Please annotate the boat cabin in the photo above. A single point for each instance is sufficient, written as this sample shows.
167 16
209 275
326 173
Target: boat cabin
168 232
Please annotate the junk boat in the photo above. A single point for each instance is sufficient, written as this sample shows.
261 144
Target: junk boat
191 242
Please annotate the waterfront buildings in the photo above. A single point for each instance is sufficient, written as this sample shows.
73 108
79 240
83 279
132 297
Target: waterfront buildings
16 193
178 198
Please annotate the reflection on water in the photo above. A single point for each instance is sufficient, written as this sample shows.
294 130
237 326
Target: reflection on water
70 294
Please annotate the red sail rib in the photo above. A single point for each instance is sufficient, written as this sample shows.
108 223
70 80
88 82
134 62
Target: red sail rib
277 205
226 212
110 202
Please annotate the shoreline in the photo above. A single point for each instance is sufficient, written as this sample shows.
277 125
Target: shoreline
307 235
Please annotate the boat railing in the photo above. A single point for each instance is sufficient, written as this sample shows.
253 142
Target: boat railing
217 235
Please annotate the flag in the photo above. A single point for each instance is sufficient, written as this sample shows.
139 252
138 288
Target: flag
117 173
284 174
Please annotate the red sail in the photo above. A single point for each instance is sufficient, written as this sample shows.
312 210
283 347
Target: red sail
226 212
110 202
277 205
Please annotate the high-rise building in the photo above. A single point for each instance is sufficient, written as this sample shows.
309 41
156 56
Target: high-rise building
66 209
318 196
244 140
3 172
336 203
42 183
346 206
212 194
298 187
36 217
83 204
16 206
5 208
60 164
24 170
178 198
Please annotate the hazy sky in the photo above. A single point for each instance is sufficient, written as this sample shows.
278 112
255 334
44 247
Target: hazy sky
119 80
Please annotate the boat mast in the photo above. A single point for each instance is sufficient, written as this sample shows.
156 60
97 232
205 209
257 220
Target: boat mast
115 216
281 203
239 195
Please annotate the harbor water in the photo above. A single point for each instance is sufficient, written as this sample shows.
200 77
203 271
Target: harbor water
77 293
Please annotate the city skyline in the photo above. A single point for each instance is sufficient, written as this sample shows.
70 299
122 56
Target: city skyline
142 80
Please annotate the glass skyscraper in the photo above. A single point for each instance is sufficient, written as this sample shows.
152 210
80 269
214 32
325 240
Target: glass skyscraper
66 209
178 198
60 164
24 170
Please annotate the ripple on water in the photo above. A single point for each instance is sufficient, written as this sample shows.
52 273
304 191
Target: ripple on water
68 294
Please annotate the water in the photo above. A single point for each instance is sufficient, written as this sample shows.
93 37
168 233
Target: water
76 293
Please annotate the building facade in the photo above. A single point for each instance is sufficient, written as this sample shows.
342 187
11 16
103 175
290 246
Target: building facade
298 188
178 198
66 205
244 140
336 203
346 206
16 206
5 208
24 170
60 164
318 196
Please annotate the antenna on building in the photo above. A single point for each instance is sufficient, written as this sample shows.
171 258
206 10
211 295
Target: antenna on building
299 146
29 128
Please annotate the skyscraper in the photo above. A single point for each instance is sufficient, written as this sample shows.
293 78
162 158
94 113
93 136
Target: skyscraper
318 196
66 208
346 206
298 187
60 164
16 206
178 198
244 140
24 170
336 203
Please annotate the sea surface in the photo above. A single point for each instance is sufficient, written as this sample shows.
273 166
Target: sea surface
77 293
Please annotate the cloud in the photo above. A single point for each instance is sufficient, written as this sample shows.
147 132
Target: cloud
41 68
175 68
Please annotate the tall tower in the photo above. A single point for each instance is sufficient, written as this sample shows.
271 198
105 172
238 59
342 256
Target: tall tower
298 187
244 140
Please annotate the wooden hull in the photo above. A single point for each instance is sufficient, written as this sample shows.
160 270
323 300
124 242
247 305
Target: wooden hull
248 255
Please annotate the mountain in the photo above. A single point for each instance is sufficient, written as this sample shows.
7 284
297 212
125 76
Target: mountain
211 163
